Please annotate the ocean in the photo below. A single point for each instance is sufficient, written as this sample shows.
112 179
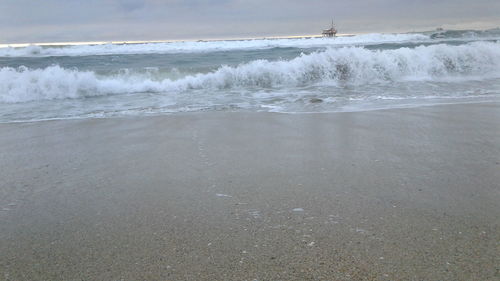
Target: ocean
295 75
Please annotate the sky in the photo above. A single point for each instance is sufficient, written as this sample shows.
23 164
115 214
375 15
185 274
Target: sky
30 21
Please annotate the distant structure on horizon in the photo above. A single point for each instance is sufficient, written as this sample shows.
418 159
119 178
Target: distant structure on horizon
332 32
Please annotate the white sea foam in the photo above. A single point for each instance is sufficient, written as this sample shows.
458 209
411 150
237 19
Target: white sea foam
203 46
351 65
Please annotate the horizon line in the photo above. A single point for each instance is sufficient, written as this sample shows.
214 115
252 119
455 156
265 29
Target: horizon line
103 42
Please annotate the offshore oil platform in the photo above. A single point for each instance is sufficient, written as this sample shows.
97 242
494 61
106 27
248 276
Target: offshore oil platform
331 32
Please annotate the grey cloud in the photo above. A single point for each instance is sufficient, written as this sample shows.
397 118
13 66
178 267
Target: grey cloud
131 5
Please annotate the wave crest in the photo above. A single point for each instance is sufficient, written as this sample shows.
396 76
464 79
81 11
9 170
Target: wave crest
350 65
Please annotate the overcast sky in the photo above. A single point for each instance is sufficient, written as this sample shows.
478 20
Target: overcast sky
23 21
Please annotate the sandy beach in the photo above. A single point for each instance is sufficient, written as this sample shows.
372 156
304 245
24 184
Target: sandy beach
400 194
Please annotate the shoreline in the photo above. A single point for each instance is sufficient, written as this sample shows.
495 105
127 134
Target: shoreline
392 194
477 101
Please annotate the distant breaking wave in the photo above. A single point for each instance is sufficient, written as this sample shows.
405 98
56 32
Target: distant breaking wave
203 46
349 65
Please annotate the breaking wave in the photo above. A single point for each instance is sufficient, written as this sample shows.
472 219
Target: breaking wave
347 65
203 46
466 34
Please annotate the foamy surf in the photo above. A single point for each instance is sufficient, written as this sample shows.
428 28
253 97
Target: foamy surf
335 66
331 78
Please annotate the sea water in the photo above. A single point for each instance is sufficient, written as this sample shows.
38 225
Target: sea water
355 73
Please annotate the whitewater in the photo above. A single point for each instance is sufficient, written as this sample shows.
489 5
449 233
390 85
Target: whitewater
298 75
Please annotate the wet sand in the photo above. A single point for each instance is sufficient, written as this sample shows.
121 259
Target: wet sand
401 194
